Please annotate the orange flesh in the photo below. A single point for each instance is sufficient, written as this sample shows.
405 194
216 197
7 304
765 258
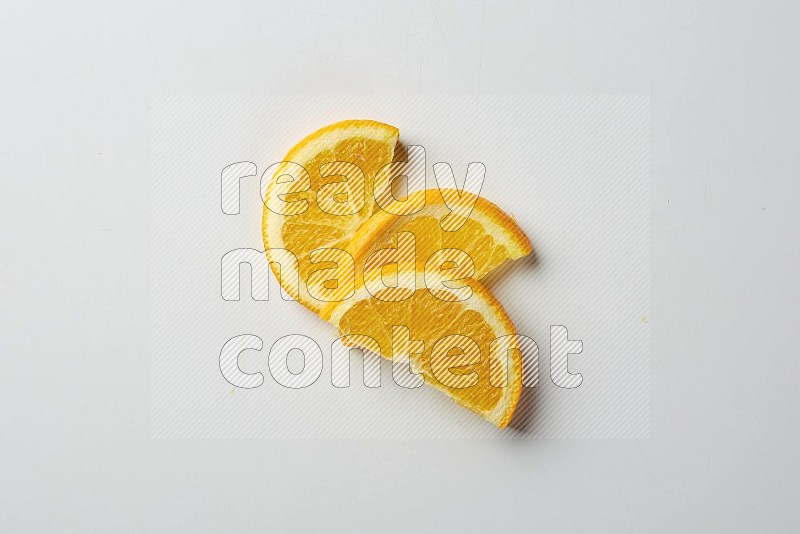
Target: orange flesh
470 238
315 228
429 319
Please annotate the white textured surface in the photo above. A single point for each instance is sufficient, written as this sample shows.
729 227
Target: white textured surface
75 376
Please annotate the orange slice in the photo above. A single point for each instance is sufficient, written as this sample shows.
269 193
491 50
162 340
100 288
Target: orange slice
469 349
489 236
295 221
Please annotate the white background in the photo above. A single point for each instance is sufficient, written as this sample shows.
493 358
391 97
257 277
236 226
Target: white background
76 449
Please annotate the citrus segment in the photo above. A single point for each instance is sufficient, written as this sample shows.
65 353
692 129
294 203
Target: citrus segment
489 236
470 326
365 146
